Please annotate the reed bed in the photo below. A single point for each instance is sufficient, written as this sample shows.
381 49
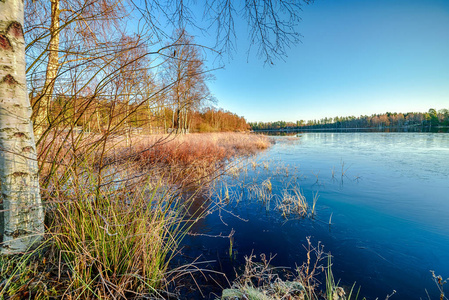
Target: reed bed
195 155
193 159
114 213
117 245
181 159
186 149
106 244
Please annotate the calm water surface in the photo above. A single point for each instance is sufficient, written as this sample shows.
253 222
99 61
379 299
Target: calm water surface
387 193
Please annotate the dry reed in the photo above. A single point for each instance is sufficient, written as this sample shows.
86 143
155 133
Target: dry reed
190 159
260 280
293 202
112 229
183 159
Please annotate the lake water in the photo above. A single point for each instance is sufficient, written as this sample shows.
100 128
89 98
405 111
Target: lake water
387 195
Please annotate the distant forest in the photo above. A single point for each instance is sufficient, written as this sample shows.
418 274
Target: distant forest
427 120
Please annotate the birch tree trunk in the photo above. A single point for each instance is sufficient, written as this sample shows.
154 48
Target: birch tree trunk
42 119
22 215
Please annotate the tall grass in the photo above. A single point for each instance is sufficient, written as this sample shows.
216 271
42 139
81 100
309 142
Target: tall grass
115 215
25 276
117 245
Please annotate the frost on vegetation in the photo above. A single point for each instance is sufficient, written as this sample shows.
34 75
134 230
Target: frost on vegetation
293 203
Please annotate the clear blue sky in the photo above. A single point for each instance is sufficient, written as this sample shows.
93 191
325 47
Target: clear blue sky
356 57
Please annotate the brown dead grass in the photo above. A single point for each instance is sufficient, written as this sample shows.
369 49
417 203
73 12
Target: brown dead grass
180 159
190 158
205 147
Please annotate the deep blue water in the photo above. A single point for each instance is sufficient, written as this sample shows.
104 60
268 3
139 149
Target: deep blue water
390 211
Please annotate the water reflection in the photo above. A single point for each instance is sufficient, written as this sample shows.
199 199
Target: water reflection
387 193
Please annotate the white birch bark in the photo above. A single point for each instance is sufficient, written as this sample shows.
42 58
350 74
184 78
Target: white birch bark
22 214
42 119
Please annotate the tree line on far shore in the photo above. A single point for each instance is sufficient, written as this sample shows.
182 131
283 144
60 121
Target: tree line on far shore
95 117
425 120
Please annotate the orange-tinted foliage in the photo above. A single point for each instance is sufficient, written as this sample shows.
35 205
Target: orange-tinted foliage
182 159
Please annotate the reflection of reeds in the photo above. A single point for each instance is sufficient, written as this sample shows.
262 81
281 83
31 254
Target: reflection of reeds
343 170
289 199
315 199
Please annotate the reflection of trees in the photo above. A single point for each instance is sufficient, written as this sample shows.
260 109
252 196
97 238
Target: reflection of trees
198 207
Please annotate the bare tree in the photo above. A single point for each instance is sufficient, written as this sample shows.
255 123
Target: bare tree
65 32
187 75
72 50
